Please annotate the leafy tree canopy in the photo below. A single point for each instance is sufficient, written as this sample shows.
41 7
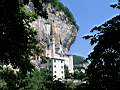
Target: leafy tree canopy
78 60
18 42
105 59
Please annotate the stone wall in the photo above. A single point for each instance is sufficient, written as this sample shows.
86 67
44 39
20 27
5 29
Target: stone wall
58 26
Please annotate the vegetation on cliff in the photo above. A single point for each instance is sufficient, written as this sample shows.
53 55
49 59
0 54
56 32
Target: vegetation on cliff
60 7
78 60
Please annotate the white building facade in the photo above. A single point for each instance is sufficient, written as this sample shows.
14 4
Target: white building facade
54 51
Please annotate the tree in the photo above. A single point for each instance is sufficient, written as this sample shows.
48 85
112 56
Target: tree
78 60
79 74
103 72
42 80
116 5
17 38
56 85
67 74
37 80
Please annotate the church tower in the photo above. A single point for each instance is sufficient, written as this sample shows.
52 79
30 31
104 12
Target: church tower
52 40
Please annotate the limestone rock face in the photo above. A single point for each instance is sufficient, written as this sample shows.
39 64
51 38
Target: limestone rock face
56 29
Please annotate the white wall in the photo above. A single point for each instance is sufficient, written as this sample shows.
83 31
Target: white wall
69 63
58 69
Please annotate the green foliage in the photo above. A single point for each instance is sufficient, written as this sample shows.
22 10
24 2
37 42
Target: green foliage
70 85
11 80
67 74
79 75
60 7
14 37
104 67
39 7
78 60
37 79
18 42
103 72
41 80
27 14
83 87
117 5
2 84
56 85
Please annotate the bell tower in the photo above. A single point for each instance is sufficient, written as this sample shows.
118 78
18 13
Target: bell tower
52 40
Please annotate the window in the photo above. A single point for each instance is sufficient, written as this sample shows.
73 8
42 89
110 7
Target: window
51 39
54 60
50 66
62 77
54 65
37 57
50 71
61 61
55 71
55 76
62 72
48 46
61 66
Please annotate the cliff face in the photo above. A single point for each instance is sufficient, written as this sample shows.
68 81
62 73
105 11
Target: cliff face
57 27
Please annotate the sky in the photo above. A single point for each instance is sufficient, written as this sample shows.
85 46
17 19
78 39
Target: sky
88 13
